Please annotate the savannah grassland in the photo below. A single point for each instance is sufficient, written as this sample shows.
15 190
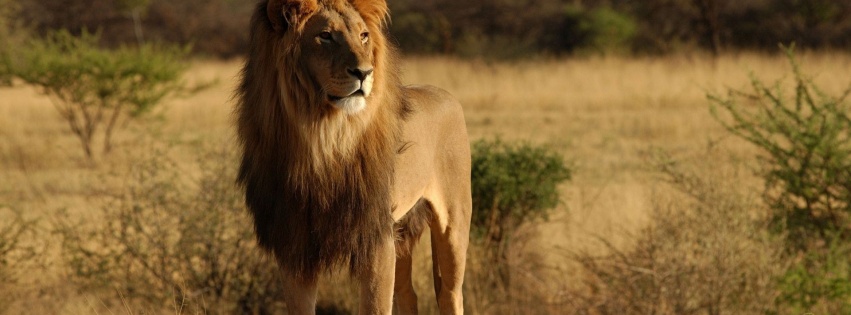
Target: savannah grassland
609 117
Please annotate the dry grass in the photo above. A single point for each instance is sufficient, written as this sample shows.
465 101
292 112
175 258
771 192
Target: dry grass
707 251
605 114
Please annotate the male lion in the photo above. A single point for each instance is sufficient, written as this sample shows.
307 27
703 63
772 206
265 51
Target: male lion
341 164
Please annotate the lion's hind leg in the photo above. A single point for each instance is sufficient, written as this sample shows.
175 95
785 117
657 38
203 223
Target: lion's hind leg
449 252
450 232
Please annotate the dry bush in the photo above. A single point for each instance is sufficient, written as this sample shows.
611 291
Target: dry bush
705 251
514 184
18 252
173 240
531 278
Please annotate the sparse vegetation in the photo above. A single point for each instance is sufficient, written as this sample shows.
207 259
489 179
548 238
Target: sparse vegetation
153 230
513 184
819 281
174 241
94 89
600 113
806 154
705 251
805 139
19 250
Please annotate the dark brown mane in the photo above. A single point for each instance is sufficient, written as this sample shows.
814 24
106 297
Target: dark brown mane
317 182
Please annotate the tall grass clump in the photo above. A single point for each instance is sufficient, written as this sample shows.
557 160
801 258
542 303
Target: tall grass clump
513 184
173 240
805 143
96 90
704 251
18 251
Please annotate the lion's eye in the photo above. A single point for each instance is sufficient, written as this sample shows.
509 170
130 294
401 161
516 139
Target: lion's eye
364 37
326 36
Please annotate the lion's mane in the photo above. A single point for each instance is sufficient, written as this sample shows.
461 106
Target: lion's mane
317 181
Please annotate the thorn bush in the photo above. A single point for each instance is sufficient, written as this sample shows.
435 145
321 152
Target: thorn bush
805 144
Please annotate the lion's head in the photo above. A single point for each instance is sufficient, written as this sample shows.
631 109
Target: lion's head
338 47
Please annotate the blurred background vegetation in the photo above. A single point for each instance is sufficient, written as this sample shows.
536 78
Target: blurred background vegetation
488 28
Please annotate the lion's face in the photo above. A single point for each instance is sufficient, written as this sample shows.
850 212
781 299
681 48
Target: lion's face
337 49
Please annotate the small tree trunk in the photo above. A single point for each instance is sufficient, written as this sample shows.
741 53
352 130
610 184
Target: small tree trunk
84 136
501 258
87 146
137 25
81 130
495 247
107 139
709 16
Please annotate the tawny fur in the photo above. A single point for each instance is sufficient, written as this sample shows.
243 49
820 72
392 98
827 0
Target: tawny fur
325 185
310 173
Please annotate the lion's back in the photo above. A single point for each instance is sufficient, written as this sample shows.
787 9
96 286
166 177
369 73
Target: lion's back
437 122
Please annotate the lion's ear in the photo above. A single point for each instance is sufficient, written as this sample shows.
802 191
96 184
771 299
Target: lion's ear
289 13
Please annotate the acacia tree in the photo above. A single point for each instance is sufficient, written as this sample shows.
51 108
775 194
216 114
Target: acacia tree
93 88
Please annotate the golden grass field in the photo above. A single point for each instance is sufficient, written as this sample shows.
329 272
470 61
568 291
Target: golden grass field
604 114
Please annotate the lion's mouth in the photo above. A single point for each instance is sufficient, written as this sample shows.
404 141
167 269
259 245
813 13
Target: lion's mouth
338 98
350 104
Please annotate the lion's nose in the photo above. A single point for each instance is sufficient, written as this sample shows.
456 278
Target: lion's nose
360 73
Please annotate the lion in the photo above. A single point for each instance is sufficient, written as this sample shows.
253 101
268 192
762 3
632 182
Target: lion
342 165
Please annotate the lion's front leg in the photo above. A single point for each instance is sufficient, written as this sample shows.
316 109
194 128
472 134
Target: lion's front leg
300 295
376 283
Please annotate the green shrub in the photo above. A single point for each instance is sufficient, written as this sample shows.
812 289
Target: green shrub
174 240
94 89
820 281
805 140
806 150
609 32
596 31
513 184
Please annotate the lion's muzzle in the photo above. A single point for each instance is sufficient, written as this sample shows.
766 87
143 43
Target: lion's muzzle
353 98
